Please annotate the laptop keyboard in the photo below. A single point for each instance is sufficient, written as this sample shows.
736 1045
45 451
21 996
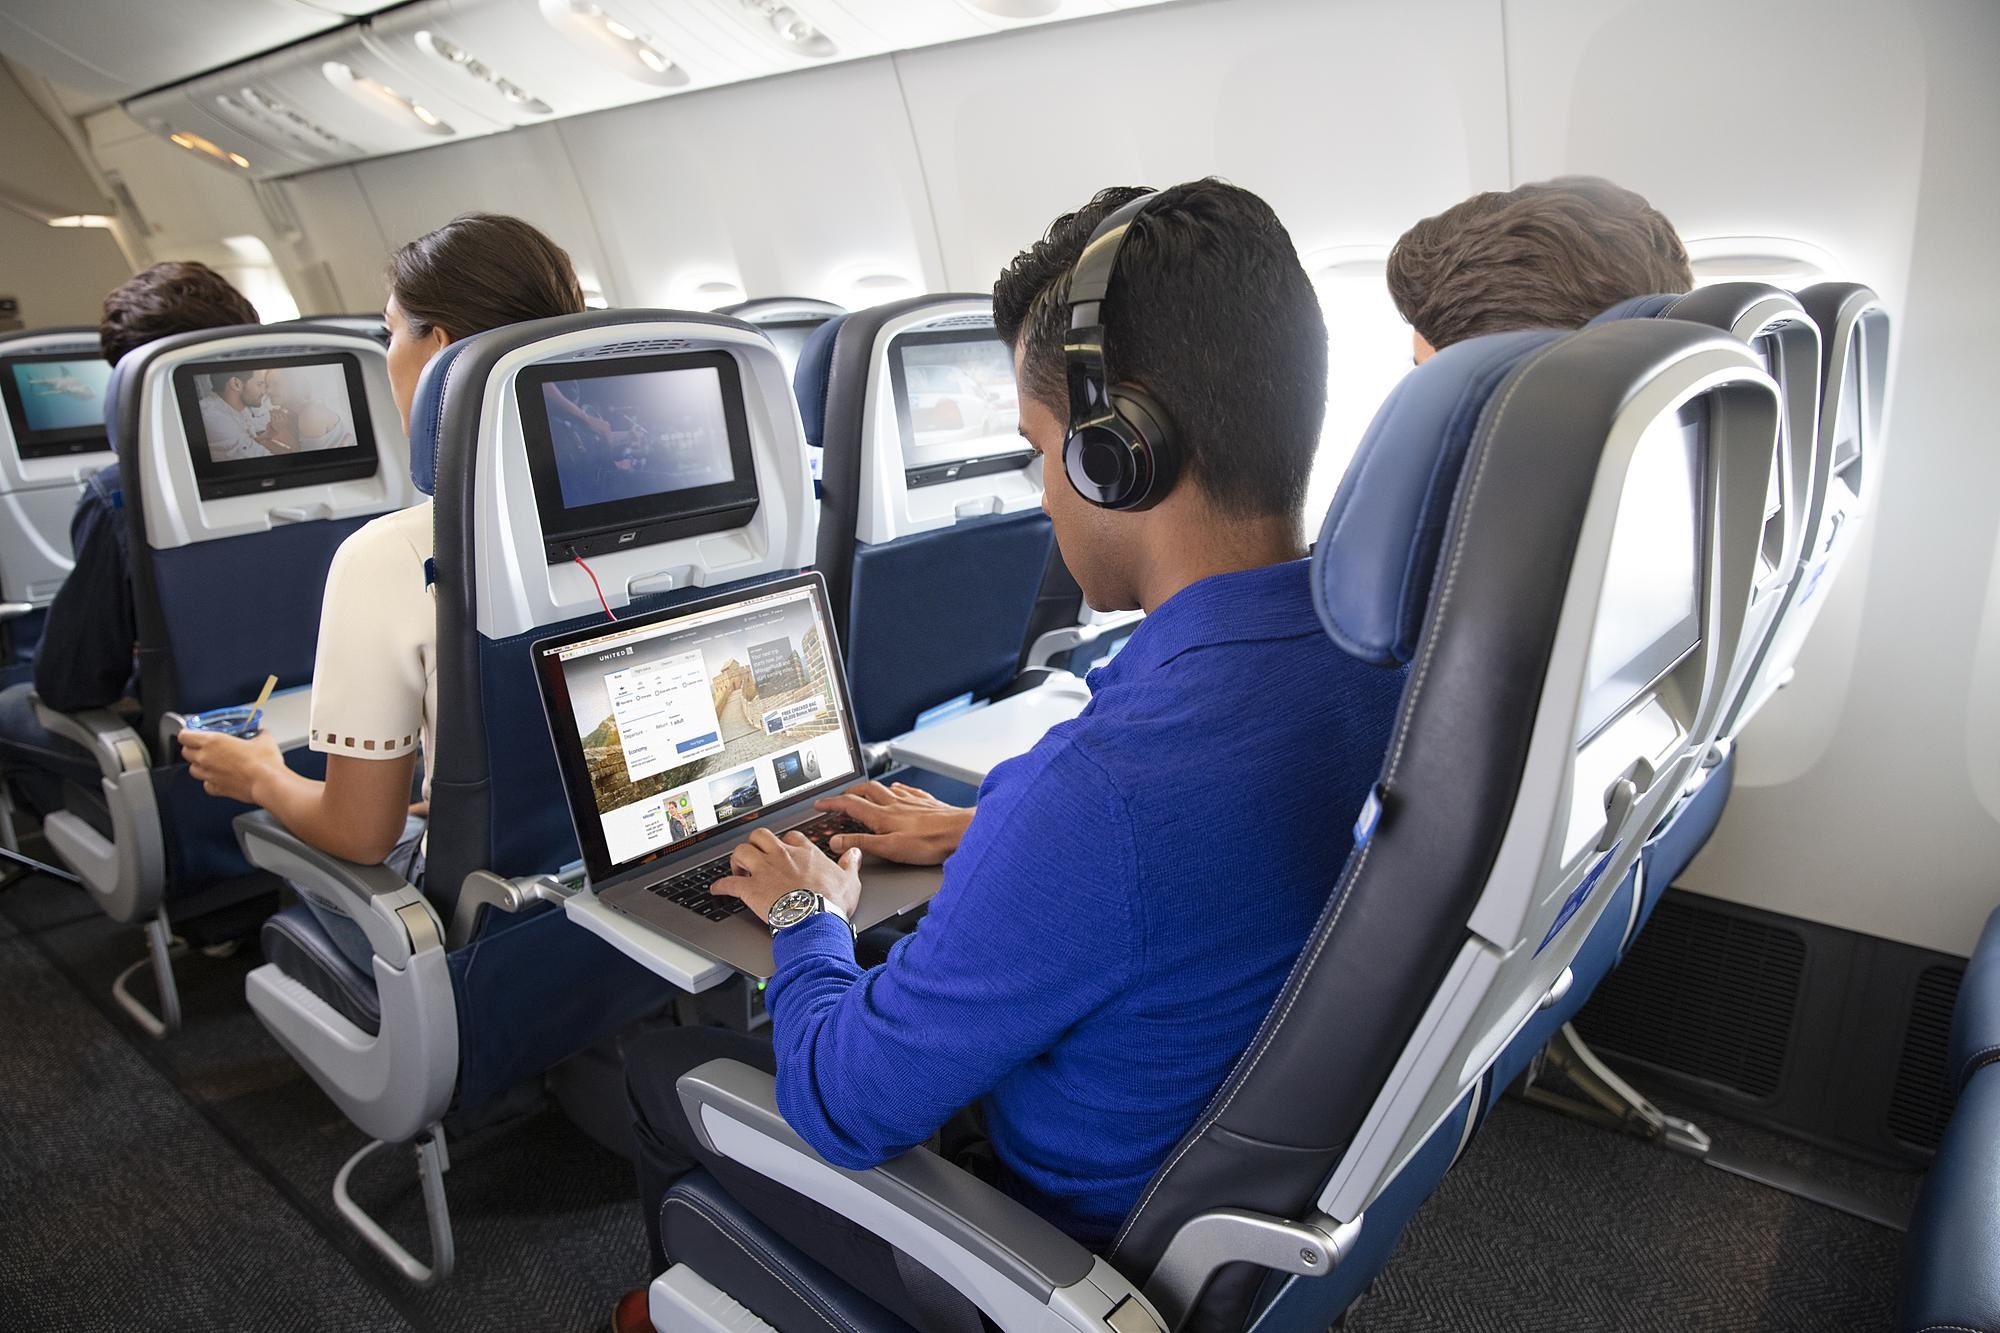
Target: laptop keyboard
690 887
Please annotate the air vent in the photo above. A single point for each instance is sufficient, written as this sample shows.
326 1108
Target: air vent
1705 994
634 348
1921 1100
958 322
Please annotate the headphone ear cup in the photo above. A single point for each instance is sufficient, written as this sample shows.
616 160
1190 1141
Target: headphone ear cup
1102 464
1145 422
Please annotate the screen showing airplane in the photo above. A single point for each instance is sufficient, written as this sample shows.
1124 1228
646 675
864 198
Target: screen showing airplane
55 403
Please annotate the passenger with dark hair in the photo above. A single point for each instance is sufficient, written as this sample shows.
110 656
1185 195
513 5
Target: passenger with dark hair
1063 1013
1553 254
85 657
375 678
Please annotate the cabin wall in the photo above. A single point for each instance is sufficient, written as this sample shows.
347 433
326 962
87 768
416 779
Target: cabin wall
1868 792
59 274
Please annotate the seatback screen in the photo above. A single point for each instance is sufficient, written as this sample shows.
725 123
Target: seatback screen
55 403
1648 615
635 450
684 723
956 406
275 423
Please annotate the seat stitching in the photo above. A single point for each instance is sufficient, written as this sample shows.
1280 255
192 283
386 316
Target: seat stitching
730 1232
1402 732
1985 1055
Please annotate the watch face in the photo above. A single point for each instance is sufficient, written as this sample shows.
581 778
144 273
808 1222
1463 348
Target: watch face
793 908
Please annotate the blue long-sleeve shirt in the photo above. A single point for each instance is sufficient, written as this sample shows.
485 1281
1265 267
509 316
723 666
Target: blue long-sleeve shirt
1124 907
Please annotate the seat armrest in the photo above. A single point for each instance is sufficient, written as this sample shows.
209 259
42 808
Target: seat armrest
1069 638
389 910
1017 1268
108 738
1975 1023
1951 1268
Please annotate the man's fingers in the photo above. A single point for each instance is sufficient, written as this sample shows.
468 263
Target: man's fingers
870 790
854 807
850 860
723 887
882 844
796 839
763 840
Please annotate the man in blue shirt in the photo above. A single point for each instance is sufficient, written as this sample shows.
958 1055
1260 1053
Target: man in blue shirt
85 657
1123 906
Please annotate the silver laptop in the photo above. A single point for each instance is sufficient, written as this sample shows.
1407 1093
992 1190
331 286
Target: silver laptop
681 732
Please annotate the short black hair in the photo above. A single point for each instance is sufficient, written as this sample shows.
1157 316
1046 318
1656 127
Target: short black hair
174 297
1211 313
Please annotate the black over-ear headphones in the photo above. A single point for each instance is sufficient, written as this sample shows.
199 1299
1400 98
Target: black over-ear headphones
1120 452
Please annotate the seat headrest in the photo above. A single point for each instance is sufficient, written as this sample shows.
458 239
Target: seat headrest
810 377
1373 566
426 410
1639 307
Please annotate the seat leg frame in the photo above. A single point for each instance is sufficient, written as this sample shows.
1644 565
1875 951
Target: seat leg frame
160 946
1611 1101
432 1162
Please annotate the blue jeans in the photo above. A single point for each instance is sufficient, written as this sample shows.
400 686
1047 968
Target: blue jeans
34 763
406 860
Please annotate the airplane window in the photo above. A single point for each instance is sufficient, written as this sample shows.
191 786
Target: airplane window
1781 261
1368 353
253 271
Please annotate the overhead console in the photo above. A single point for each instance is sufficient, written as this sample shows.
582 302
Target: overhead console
439 71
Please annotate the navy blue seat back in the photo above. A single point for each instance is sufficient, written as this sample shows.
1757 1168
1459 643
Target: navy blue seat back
531 988
213 617
929 616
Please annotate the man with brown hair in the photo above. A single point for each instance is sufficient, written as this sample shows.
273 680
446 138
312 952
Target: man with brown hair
1548 255
85 658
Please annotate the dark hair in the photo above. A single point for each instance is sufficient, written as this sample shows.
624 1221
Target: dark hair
480 271
1211 314
1552 254
169 298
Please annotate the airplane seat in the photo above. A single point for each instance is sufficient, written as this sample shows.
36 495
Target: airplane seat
368 325
1483 537
788 321
932 536
228 555
486 975
52 439
1951 1271
1786 339
809 379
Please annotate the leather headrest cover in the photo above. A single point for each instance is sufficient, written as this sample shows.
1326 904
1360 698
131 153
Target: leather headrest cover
810 376
1377 551
426 410
1639 307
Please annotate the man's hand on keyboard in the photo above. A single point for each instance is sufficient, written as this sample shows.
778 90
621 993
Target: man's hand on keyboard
767 867
904 823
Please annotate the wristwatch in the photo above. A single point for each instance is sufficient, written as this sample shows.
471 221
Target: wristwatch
799 904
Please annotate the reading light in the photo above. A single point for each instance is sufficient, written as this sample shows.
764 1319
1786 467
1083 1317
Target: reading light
631 53
452 54
194 143
790 29
380 98
97 220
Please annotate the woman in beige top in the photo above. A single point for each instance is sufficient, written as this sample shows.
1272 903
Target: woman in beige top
375 677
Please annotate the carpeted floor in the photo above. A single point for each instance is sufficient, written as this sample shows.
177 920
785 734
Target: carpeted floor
186 1185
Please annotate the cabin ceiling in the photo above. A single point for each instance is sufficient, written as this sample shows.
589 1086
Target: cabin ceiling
270 88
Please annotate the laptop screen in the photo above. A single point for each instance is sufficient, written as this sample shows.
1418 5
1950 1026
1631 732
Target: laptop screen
674 726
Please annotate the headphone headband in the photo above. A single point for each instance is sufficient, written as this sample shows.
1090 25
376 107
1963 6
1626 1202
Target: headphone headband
1119 452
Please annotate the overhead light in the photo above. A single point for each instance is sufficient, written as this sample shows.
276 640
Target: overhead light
195 143
383 100
97 220
442 48
631 53
789 29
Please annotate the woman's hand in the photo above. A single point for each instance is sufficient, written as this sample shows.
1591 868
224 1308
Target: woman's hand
904 823
230 766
